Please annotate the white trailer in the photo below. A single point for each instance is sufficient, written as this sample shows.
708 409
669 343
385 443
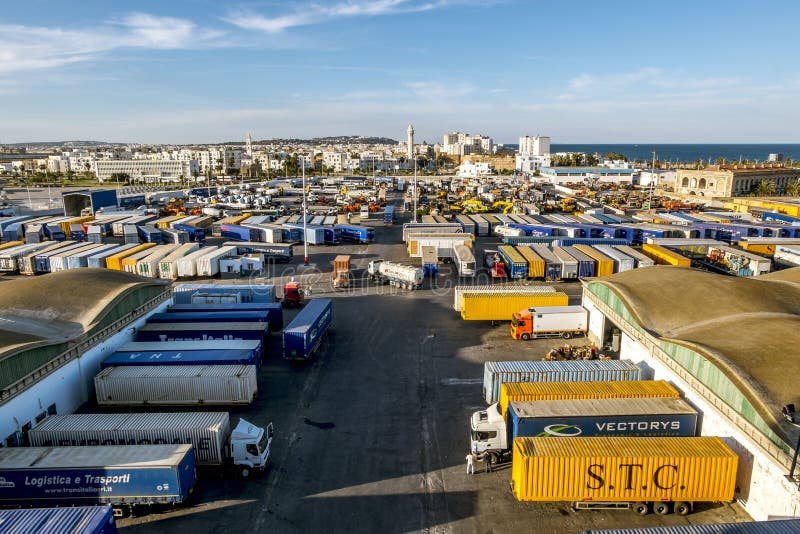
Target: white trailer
481 225
622 262
464 260
788 255
149 266
60 262
168 266
396 274
569 265
129 263
503 230
550 321
640 259
176 385
409 229
208 265
187 265
444 243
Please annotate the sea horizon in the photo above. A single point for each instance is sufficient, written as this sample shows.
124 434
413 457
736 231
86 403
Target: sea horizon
685 152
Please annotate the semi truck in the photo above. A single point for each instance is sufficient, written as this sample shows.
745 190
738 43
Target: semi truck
340 277
395 274
493 263
244 448
649 473
552 321
581 417
303 336
125 477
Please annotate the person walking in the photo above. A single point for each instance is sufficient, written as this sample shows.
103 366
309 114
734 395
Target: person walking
470 464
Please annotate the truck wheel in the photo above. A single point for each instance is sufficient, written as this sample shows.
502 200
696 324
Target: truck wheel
661 508
245 472
682 508
641 508
566 335
525 337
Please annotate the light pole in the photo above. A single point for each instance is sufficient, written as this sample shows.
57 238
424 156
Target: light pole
652 183
415 190
305 235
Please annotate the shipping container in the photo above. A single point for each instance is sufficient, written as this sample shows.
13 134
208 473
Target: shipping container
115 261
39 263
606 389
303 336
657 416
495 374
208 265
587 267
359 234
640 259
176 385
664 256
605 265
536 264
207 432
168 266
272 251
444 243
500 307
69 520
187 346
464 260
552 265
186 266
467 224
625 470
496 289
569 265
11 244
228 356
98 261
60 260
148 266
622 262
120 476
228 331
516 264
410 229
430 261
190 313
222 293
481 225
129 263
149 234
773 526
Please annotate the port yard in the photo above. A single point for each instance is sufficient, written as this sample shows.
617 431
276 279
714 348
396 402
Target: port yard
370 436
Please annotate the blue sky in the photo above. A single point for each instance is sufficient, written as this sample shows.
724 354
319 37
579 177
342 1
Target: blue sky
579 71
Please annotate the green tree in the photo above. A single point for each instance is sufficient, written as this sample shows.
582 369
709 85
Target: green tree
764 188
793 189
615 156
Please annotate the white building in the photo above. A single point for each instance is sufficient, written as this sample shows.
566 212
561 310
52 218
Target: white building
335 160
58 164
537 145
529 163
660 177
149 171
468 169
462 144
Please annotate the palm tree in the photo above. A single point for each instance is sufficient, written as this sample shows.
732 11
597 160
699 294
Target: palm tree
793 189
765 188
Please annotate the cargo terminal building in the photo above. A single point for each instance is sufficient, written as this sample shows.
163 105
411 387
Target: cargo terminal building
729 344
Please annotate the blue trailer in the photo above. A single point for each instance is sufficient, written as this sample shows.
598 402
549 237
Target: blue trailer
149 234
314 235
388 215
53 232
123 476
230 331
236 232
303 336
184 357
73 520
360 234
196 234
587 267
516 265
222 293
274 311
249 316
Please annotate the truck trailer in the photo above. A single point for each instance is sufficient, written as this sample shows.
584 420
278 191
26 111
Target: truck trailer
229 356
232 331
303 336
648 416
244 448
124 477
647 473
492 306
395 274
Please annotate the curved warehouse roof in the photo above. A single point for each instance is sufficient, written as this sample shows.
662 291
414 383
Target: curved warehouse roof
41 315
747 328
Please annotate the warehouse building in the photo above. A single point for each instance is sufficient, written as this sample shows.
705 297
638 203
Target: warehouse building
733 180
729 344
56 330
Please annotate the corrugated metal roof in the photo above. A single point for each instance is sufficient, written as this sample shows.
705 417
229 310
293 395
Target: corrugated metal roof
76 520
790 526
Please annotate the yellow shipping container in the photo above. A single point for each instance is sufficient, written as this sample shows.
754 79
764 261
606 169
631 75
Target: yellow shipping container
115 262
494 307
535 262
605 265
660 470
620 389
664 256
66 226
11 244
165 221
767 249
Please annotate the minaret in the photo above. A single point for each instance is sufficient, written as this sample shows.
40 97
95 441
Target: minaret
248 143
410 142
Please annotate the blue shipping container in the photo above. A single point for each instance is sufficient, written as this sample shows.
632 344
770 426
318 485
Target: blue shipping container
75 520
203 331
274 311
388 215
195 234
515 269
352 232
304 334
124 475
251 316
235 232
149 234
183 293
184 357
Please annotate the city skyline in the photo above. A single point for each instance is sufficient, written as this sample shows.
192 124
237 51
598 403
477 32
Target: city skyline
194 72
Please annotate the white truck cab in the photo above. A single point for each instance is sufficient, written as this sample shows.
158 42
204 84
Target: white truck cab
250 447
489 434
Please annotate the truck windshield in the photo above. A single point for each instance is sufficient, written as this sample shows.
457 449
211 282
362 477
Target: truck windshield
515 322
262 444
481 436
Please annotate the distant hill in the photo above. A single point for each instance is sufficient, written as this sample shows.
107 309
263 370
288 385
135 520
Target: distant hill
335 140
56 144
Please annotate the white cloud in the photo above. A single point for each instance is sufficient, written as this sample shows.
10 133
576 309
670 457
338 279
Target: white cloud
316 13
436 90
27 48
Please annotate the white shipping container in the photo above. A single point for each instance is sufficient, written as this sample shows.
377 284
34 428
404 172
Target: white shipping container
176 385
168 267
640 259
464 260
208 265
59 262
81 259
787 255
444 243
505 289
149 266
129 263
187 265
497 373
206 431
569 265
622 262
